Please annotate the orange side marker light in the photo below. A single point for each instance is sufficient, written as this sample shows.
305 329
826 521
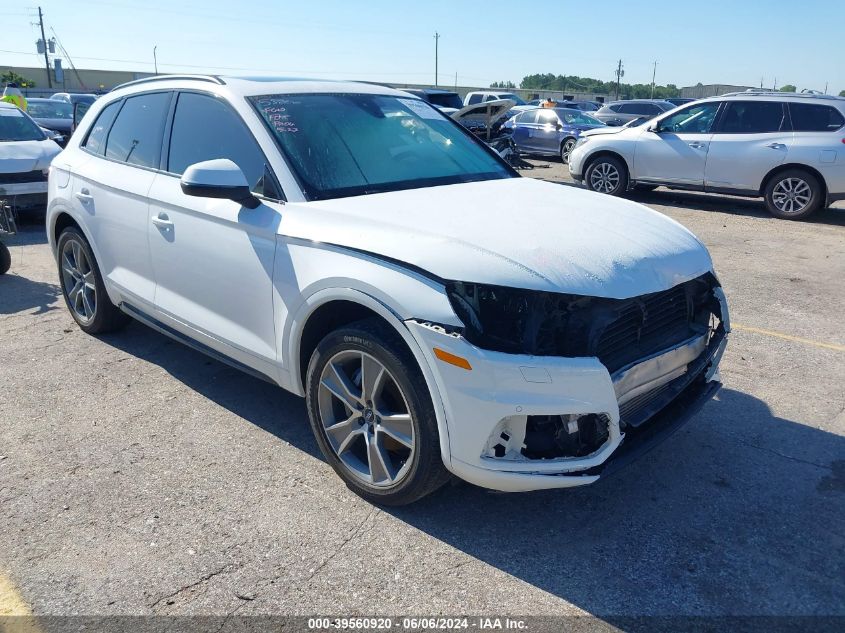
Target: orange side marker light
457 361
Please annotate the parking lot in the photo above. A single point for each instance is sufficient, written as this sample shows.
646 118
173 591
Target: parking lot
140 477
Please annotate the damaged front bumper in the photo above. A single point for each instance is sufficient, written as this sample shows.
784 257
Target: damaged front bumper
497 410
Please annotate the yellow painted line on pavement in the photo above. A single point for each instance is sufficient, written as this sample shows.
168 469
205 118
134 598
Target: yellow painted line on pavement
11 602
788 337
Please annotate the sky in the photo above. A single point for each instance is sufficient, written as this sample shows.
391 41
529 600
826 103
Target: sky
738 42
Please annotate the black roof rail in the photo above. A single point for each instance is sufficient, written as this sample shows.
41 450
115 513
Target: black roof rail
209 78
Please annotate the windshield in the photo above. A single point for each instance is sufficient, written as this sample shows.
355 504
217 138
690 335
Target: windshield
352 144
446 100
16 126
50 110
509 95
571 117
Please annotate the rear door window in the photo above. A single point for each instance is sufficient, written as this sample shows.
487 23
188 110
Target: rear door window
547 117
811 117
135 137
753 117
527 117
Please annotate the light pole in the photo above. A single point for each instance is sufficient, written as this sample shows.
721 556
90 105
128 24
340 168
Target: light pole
653 75
436 43
155 59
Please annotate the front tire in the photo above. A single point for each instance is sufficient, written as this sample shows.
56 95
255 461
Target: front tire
566 149
607 174
793 194
83 288
372 414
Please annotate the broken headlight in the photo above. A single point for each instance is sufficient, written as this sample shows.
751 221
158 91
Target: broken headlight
518 321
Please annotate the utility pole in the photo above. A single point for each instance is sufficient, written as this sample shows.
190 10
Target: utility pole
456 81
775 84
155 59
825 87
44 39
619 74
436 60
653 75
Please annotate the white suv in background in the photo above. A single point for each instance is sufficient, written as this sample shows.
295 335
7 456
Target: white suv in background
787 148
483 96
353 245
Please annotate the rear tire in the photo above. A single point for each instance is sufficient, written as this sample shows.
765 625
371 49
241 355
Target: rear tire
5 259
607 174
83 288
372 415
793 194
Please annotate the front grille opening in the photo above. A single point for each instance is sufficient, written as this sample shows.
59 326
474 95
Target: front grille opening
617 331
555 436
26 176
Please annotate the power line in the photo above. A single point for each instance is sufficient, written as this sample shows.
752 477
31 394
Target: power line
238 68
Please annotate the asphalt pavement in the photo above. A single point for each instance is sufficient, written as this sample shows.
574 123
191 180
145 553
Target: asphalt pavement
139 477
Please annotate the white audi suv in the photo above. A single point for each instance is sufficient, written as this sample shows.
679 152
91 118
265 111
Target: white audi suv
351 244
786 148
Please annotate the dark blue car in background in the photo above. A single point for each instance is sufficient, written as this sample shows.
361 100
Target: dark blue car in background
550 131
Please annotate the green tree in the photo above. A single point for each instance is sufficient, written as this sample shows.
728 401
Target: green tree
503 84
788 88
574 84
11 76
842 93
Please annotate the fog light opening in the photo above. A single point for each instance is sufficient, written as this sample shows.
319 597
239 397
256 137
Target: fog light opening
569 435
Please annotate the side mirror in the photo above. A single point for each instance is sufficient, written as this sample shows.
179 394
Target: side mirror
558 125
79 110
218 178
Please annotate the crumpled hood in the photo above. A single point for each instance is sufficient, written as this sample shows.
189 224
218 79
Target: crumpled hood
22 156
518 232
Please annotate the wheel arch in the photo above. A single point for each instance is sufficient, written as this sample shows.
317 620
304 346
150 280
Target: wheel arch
568 137
329 309
787 166
61 221
605 152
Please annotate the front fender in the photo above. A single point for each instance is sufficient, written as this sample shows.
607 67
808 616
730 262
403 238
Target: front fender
327 295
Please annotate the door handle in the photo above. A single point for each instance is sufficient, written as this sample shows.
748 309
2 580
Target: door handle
776 145
697 145
83 195
162 221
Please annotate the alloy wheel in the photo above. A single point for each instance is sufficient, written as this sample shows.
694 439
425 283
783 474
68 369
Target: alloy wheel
78 281
791 195
604 178
366 418
566 150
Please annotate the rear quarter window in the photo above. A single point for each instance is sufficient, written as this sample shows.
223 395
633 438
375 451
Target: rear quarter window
812 117
96 141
